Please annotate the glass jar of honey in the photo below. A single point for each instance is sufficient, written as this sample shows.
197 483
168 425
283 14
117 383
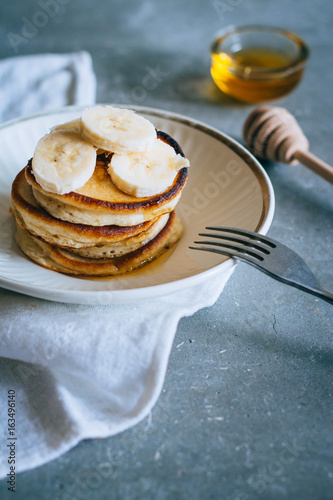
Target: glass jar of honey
257 63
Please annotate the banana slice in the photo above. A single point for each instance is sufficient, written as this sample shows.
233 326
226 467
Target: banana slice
146 174
72 126
63 161
75 126
118 130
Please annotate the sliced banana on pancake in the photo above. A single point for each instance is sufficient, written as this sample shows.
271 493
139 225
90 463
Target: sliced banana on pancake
63 161
118 130
72 126
75 126
146 174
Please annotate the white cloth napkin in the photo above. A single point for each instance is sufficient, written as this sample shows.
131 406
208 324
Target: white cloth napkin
79 371
29 84
100 368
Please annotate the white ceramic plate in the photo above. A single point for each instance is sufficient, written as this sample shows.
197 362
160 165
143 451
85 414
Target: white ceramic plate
226 186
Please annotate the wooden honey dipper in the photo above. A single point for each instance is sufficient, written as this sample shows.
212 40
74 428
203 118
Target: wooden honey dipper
274 134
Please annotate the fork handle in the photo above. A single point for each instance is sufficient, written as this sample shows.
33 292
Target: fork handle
321 292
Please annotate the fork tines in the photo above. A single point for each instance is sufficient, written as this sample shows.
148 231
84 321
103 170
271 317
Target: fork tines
269 256
237 243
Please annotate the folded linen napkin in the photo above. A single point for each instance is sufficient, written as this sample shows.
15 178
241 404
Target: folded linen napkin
29 84
77 372
99 371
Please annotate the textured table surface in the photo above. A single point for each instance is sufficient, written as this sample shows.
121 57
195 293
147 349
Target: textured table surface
246 409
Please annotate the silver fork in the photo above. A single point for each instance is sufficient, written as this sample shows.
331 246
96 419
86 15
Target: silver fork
267 255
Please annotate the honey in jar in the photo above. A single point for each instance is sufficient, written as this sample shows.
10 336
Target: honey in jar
262 72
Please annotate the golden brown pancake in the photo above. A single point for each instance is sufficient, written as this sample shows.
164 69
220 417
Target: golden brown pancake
99 202
124 246
64 261
29 215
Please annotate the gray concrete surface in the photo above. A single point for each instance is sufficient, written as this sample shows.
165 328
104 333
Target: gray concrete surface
246 409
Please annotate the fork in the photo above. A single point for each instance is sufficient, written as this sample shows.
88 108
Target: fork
267 255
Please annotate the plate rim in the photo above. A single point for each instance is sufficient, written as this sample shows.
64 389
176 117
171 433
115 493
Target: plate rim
142 293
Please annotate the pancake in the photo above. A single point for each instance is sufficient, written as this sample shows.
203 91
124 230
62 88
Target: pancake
99 202
29 215
64 261
124 246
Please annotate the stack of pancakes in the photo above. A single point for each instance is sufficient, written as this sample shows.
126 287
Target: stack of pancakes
96 230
